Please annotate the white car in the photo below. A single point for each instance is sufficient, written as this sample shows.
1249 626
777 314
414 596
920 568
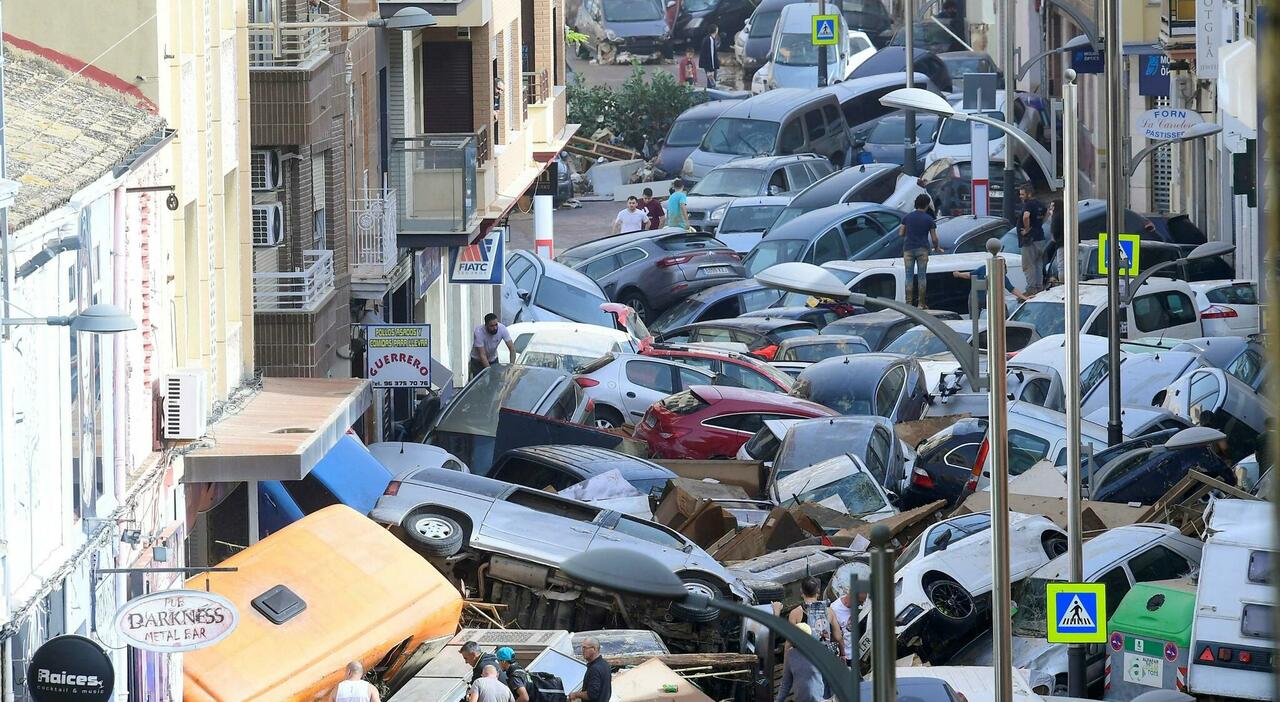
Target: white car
404 456
857 49
953 140
1228 307
842 483
564 345
942 581
624 385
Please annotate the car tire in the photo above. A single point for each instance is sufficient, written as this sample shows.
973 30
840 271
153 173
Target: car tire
766 591
435 534
636 301
1054 544
608 418
951 601
696 615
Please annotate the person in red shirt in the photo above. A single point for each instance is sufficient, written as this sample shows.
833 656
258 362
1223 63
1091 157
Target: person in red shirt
687 68
653 208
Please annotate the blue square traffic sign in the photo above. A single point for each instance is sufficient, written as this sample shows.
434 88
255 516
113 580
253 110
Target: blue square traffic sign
824 29
1077 613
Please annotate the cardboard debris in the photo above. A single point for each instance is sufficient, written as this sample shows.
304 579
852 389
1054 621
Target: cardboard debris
644 683
1041 480
779 530
709 524
904 527
824 518
749 475
917 430
1096 517
1183 505
684 496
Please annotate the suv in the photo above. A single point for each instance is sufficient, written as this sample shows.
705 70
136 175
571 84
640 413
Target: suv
732 367
560 467
651 270
766 175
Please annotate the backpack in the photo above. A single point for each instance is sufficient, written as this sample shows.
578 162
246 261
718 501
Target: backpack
545 687
815 615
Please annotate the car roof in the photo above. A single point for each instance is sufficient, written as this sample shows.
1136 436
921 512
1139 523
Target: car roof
762 162
797 18
561 272
887 317
607 243
856 86
820 339
761 201
809 225
774 4
1094 292
964 54
712 394
457 480
952 228
732 287
774 104
710 108
1105 549
940 262
756 324
832 187
594 461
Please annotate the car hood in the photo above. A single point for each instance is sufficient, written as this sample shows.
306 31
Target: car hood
799 76
644 28
894 153
757 47
671 158
1036 654
706 203
704 161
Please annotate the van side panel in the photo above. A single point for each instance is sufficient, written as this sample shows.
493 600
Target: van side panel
365 594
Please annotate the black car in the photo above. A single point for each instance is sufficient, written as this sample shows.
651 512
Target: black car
1144 475
720 302
695 16
1177 229
687 132
883 384
930 36
869 182
869 17
952 191
817 316
1153 253
558 467
892 59
944 463
879 328
966 234
761 335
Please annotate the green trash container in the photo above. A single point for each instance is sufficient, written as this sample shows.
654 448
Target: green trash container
1149 639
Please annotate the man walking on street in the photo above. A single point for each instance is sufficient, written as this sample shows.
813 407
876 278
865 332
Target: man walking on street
677 207
517 678
630 219
354 688
918 231
709 56
597 684
651 207
1031 240
488 688
484 353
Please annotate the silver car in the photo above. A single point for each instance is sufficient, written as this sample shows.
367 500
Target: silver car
443 512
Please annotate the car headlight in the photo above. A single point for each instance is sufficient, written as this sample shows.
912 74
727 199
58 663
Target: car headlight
610 35
694 23
718 213
907 615
687 168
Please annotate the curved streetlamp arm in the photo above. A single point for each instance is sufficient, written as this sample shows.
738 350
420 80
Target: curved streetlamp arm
1146 151
1031 62
1038 152
956 344
1086 24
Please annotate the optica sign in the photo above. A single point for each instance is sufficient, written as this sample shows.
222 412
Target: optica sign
176 620
1166 122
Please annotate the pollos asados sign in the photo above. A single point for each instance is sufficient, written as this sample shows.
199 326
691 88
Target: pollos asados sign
176 620
70 669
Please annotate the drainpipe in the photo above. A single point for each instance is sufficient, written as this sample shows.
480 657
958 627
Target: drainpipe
119 413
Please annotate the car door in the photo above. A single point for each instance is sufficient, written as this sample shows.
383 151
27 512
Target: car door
520 276
601 270
620 530
1168 313
889 390
779 182
798 177
877 458
829 246
539 526
650 380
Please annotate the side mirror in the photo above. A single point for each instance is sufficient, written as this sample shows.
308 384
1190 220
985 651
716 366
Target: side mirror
894 499
775 190
523 295
859 142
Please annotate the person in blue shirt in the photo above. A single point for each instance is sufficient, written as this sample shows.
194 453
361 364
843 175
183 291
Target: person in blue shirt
980 273
919 234
800 677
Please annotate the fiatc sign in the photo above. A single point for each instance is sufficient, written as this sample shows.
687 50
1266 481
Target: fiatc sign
399 355
480 263
70 669
176 620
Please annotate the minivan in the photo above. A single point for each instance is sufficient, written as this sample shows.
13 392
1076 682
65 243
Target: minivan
860 98
793 57
777 123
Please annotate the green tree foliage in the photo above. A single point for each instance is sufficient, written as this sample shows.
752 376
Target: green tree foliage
645 106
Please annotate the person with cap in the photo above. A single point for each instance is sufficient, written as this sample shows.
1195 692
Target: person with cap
800 677
517 678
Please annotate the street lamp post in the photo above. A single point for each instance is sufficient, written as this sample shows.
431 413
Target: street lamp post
1114 65
1010 85
909 51
997 440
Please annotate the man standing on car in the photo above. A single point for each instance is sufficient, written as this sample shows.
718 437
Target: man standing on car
1031 239
597 684
652 207
709 57
484 347
631 218
918 230
517 678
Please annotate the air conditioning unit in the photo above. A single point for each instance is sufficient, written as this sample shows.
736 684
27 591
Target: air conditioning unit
186 404
265 169
268 224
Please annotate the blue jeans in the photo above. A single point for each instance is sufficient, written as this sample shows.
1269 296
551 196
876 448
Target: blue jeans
917 263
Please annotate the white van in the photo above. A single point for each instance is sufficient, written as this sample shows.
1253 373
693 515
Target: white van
1162 307
793 59
1233 642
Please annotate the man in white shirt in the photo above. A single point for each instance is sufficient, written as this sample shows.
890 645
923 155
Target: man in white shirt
484 346
632 219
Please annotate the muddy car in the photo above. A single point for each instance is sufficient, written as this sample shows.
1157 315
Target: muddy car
617 27
788 567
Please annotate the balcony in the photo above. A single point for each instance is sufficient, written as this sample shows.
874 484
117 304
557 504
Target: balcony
374 250
435 175
301 291
1179 21
295 49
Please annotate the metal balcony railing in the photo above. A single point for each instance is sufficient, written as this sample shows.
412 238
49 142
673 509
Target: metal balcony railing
297 291
537 87
375 251
436 179
297 48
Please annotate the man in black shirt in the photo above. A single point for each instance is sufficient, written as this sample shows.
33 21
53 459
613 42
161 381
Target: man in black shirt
1031 239
597 684
517 678
477 660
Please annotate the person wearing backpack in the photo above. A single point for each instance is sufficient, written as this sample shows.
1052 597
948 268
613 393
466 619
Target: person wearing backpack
522 689
818 616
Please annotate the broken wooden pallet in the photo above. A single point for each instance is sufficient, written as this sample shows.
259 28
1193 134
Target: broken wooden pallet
592 149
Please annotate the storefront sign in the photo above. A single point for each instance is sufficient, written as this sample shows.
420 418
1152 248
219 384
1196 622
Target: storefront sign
1209 38
399 355
1153 79
70 669
176 620
1087 61
426 269
1166 122
480 263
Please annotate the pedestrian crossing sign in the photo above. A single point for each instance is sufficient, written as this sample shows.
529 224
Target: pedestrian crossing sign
1130 252
1076 612
824 29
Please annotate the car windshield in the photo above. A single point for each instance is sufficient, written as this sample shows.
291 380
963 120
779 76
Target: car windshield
845 398
958 67
853 494
812 353
697 5
771 252
1029 621
1048 317
475 409
750 218
763 446
729 182
582 349
683 312
572 303
956 132
892 129
916 341
793 332
763 22
798 50
800 450
688 132
865 7
741 137
633 10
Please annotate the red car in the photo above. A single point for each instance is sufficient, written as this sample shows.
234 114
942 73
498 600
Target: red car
734 368
715 421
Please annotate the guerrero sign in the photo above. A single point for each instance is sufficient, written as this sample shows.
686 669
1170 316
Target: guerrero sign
70 669
399 355
176 620
1166 122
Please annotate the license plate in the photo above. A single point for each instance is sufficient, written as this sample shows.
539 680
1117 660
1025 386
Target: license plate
1143 670
713 271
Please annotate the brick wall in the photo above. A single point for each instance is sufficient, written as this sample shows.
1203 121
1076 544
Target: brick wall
482 80
510 91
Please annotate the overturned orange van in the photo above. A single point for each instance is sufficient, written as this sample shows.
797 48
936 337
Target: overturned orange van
328 589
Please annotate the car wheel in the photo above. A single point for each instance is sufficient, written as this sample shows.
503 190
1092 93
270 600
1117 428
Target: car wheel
608 418
636 301
700 586
766 591
951 601
436 534
1054 544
